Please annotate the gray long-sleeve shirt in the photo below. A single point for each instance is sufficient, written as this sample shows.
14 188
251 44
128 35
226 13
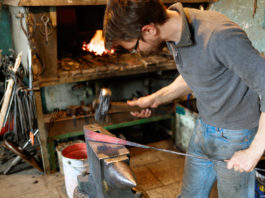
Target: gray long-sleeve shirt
225 72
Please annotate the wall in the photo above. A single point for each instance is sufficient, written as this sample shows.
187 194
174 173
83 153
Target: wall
5 31
241 12
19 39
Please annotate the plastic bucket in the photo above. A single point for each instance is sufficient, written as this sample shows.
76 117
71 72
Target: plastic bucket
74 159
59 148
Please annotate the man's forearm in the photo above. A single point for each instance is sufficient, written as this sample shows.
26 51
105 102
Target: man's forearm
246 160
258 144
176 89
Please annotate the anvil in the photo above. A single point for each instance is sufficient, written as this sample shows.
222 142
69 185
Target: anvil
110 175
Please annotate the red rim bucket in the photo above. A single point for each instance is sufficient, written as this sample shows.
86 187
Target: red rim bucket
74 159
75 151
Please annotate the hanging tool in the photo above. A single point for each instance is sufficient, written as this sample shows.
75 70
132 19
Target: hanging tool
21 111
30 71
29 32
101 138
48 28
26 156
10 104
8 93
18 158
254 8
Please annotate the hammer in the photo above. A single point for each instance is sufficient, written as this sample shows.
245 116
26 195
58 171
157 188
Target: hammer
103 104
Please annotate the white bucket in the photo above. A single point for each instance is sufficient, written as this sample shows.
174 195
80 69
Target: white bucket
59 149
74 158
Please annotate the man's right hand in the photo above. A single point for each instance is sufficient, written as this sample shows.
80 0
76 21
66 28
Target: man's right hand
167 94
145 102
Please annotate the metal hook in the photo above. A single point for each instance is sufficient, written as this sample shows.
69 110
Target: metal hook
45 19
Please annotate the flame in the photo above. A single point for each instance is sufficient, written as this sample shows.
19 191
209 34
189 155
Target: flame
96 45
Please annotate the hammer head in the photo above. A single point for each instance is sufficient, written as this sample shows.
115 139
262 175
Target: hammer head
103 105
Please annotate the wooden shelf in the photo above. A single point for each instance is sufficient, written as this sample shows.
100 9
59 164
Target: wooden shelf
81 2
75 124
74 127
88 67
82 75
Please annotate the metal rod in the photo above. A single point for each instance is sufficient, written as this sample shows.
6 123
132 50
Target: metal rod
102 138
159 149
9 107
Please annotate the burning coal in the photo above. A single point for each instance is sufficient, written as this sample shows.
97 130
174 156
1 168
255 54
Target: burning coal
96 45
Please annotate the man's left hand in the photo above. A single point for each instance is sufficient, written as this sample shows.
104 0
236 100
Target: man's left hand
244 160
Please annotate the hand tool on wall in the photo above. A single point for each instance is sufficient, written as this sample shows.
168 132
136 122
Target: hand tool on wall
8 92
22 154
20 112
254 8
103 104
9 105
18 157
26 113
30 32
48 29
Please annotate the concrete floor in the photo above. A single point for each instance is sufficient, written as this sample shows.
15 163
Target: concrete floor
157 173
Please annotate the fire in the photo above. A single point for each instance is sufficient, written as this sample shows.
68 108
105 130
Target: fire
96 45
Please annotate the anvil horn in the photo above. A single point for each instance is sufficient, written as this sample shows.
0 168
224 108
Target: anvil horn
119 175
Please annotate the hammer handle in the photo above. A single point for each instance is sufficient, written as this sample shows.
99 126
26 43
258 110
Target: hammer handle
123 107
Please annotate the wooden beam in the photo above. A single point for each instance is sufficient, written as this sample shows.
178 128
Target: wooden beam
42 133
53 2
189 1
81 2
11 2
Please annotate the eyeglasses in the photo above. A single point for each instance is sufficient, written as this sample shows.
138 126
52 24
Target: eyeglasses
134 50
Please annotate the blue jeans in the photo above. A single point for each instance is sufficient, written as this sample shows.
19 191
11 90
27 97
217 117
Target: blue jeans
216 143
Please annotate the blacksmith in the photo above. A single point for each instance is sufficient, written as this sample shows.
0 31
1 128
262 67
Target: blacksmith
217 62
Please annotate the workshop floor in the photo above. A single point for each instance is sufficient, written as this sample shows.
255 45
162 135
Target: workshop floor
159 174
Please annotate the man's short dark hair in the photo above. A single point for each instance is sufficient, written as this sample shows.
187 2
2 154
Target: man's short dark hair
124 19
